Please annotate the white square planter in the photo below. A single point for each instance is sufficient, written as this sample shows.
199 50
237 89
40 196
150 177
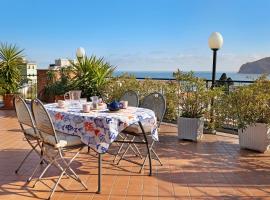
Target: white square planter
255 137
190 128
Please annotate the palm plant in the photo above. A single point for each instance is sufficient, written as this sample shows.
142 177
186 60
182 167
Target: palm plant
91 75
11 60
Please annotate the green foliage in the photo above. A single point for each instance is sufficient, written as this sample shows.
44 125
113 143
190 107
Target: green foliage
58 86
250 104
91 75
117 86
194 97
11 60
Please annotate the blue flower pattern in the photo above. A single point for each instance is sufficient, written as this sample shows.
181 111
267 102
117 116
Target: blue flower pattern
100 128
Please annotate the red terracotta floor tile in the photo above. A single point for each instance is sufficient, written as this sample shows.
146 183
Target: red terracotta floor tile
215 168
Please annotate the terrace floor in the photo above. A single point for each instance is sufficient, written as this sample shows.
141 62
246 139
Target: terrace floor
213 169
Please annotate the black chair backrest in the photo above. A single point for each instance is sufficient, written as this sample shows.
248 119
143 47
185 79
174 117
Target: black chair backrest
156 102
131 97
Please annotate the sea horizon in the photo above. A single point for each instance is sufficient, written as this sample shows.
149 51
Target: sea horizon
201 74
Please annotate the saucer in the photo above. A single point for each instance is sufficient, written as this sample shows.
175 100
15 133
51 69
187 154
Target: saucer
84 112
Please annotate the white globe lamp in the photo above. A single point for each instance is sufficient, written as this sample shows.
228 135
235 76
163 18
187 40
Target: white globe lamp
80 53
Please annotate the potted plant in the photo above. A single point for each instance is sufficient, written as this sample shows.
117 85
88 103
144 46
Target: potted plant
11 60
91 75
59 82
194 101
250 106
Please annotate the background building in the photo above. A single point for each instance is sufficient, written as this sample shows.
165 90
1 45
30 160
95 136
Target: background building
28 87
58 63
29 70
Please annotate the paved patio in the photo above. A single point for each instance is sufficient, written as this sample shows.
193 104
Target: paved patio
213 169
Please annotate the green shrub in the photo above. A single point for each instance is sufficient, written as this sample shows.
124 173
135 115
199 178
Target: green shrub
250 104
117 86
195 99
58 86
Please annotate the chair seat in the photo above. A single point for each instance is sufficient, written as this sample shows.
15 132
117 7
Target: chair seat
65 140
30 133
135 128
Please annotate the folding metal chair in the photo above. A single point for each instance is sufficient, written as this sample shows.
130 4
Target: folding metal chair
55 145
131 97
27 124
156 102
133 100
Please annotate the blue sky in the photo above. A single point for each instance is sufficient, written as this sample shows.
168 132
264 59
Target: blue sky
139 34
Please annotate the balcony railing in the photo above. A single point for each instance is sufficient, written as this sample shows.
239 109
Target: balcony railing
28 90
228 125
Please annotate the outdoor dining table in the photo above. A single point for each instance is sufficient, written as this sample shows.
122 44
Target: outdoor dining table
98 129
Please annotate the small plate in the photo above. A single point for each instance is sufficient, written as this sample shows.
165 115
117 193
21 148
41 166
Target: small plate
84 112
114 110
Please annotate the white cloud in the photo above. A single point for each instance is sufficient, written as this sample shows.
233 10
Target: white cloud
164 61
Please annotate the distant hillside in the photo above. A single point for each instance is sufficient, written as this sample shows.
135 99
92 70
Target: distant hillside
261 66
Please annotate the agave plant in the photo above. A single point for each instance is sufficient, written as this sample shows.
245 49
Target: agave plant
11 60
91 75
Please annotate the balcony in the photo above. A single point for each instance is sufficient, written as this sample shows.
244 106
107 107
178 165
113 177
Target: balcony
215 168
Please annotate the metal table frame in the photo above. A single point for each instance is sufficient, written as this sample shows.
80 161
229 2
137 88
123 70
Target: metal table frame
148 151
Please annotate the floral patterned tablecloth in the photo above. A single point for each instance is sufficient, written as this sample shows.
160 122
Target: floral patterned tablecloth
98 129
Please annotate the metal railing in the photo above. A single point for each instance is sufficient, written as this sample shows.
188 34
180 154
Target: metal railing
229 124
28 87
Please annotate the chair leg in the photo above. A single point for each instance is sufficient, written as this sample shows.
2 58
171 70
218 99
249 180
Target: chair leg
147 147
73 172
35 170
143 164
27 155
120 148
135 150
64 171
157 157
138 151
42 174
56 184
122 156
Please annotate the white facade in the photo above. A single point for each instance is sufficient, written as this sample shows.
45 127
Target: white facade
58 63
31 70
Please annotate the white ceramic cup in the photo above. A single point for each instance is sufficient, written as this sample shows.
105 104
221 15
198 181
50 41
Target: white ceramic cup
124 104
83 100
86 107
61 103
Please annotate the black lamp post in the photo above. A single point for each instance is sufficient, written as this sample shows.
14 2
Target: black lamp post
215 43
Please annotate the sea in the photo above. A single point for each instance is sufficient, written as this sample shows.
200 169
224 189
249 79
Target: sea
202 74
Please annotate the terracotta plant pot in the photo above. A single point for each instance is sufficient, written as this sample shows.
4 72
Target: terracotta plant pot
8 101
